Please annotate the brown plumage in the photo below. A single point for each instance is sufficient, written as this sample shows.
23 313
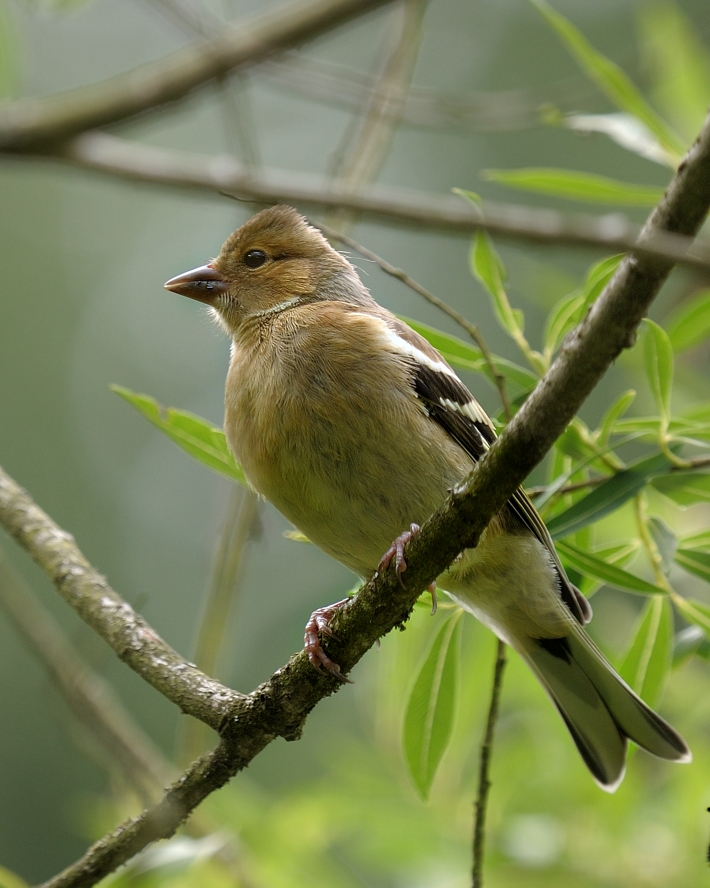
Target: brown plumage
354 427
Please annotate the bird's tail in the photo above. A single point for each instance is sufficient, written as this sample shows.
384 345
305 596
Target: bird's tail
599 708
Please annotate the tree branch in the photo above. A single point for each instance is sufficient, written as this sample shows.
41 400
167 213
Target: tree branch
31 124
223 174
130 636
279 707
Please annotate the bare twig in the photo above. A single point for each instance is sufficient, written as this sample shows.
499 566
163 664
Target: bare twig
224 174
214 623
280 706
32 124
495 111
484 765
366 142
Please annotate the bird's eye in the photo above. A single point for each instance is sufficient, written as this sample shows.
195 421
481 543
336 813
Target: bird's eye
255 258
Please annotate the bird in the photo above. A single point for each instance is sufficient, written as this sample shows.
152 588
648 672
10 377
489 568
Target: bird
355 428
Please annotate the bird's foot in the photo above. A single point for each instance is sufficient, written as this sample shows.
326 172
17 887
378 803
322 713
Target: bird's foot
317 625
396 551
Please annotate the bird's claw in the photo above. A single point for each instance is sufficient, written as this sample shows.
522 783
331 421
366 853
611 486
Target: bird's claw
318 625
396 551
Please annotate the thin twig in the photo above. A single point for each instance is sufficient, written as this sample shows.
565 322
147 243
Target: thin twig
463 322
219 603
367 140
30 124
227 176
484 766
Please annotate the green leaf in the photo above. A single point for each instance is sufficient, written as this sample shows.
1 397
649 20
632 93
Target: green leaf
429 718
695 562
648 661
666 541
8 879
658 354
677 63
468 357
196 436
627 131
486 265
699 540
596 569
613 414
608 497
689 325
610 78
562 318
696 612
575 185
597 278
687 643
684 488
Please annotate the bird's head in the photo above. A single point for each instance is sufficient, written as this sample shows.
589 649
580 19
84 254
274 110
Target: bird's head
274 262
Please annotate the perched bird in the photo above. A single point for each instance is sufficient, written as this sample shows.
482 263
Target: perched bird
356 428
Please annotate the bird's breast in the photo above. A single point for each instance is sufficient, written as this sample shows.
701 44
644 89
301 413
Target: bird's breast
350 468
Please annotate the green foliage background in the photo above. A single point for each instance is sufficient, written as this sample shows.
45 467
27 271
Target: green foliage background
84 260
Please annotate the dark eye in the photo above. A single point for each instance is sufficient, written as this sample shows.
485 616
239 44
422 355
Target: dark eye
255 258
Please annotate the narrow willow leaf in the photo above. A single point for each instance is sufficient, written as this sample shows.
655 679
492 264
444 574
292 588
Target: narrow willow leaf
593 567
700 540
696 612
684 488
689 325
488 269
627 131
695 562
608 497
677 63
597 278
666 541
429 718
196 436
8 879
562 318
689 642
611 79
575 185
648 661
613 414
658 355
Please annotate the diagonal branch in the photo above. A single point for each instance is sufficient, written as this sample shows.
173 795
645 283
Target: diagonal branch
106 612
30 124
223 174
280 706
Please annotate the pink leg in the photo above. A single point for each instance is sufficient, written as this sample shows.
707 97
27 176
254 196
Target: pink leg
317 625
396 551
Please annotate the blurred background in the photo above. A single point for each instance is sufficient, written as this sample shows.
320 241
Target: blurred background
83 257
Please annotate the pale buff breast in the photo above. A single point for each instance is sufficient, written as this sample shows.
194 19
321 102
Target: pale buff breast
349 469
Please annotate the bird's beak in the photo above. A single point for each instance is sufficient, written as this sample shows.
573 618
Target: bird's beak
204 284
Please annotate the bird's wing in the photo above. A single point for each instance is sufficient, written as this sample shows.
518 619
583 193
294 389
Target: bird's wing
449 403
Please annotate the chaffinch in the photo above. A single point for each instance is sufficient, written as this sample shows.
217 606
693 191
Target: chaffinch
356 428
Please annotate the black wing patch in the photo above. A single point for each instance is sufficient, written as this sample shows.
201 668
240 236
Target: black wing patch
448 401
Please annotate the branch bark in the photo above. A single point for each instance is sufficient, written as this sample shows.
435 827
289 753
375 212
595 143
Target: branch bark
280 706
31 124
130 636
226 175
